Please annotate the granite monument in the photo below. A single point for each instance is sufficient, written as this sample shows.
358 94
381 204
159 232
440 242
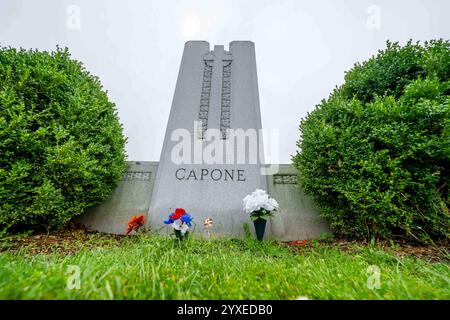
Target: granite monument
212 156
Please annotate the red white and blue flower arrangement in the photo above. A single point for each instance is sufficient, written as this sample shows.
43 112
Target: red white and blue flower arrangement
180 221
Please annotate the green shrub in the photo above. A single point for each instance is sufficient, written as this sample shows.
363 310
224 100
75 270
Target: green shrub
61 144
376 154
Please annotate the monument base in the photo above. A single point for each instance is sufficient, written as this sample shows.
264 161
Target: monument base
297 219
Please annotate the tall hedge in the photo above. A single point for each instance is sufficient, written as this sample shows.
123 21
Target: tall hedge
375 155
61 143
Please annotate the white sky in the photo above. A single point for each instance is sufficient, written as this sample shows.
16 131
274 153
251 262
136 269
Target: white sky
303 49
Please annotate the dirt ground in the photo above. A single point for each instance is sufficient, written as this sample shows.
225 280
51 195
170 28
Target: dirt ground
67 242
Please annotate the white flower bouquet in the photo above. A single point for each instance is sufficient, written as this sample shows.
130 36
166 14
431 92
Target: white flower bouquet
259 204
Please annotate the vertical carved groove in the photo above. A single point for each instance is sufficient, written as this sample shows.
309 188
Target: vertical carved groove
205 98
225 106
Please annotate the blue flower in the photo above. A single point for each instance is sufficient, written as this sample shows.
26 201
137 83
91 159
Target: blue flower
186 218
168 221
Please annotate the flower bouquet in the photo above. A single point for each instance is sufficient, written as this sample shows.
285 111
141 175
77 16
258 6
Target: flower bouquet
180 221
134 224
260 207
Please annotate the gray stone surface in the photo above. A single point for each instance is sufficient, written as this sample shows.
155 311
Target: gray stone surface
298 217
131 197
205 89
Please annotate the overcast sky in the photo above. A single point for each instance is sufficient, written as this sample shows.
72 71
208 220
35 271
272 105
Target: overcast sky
303 49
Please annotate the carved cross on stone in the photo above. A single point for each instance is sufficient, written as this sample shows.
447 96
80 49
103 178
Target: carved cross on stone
215 101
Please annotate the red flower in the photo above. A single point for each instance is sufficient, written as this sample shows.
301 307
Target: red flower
179 212
298 243
135 223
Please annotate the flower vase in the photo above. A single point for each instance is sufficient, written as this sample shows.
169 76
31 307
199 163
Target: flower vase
181 236
260 226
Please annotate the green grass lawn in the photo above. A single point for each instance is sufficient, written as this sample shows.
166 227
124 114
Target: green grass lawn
155 267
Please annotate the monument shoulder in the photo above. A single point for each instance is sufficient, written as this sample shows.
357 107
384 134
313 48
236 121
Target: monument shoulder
242 42
196 42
